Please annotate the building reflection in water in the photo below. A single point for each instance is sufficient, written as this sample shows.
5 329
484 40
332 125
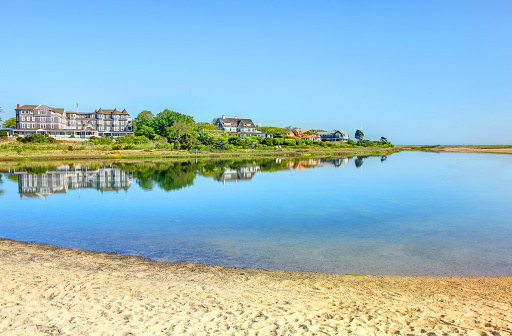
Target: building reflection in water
105 178
245 173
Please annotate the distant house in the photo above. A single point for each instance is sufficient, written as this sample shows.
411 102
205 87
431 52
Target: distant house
339 136
238 127
305 134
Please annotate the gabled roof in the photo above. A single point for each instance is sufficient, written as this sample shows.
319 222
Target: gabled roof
32 107
345 134
236 122
114 111
27 107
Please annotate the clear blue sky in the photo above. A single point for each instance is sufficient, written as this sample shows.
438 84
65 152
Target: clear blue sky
417 72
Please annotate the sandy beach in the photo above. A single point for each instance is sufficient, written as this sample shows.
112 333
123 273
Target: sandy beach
48 290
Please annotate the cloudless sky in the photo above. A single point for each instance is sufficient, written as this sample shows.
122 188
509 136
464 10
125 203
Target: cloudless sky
416 72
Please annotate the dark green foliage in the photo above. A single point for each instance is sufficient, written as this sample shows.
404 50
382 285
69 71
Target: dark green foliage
359 135
3 134
236 141
37 138
72 136
177 145
359 161
267 142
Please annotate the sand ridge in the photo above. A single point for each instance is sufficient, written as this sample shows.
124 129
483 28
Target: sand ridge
48 290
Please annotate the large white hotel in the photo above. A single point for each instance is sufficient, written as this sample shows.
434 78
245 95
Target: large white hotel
61 124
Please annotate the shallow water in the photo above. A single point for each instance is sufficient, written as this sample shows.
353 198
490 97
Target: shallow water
410 213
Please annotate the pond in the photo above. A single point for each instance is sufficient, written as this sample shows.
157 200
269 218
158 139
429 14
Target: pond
410 213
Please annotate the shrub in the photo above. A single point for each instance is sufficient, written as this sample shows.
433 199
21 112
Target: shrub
117 146
266 141
235 141
278 141
105 141
290 142
177 145
37 138
126 139
164 145
72 136
200 147
129 146
3 134
141 139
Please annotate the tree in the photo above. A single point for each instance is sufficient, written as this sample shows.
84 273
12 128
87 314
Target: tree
359 135
182 132
358 161
10 123
143 122
383 140
168 118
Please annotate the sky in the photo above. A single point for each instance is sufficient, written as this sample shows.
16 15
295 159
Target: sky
417 72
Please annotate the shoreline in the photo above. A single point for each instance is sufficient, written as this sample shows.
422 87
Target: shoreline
94 155
47 289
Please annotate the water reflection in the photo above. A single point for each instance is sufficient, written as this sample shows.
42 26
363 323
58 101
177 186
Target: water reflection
65 177
43 181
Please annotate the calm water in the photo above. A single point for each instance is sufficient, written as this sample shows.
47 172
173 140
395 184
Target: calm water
405 214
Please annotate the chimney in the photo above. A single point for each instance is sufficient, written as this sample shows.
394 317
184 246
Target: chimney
223 116
18 106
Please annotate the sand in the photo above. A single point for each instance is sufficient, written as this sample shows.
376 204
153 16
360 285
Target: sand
48 290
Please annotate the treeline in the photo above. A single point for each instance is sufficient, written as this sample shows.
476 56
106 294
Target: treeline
180 131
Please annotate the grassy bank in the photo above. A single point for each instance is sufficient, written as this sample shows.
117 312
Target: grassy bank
68 150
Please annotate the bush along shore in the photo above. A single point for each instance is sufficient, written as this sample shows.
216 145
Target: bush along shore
39 146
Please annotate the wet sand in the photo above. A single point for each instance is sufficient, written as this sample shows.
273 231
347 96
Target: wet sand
48 290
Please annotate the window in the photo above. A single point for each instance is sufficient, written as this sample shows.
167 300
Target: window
52 119
53 126
100 128
43 119
33 125
22 125
71 122
122 122
22 118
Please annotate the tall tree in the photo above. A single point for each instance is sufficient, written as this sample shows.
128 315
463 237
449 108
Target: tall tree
359 135
144 123
383 140
168 118
185 134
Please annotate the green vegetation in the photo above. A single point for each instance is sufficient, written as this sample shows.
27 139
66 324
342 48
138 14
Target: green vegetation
171 134
9 123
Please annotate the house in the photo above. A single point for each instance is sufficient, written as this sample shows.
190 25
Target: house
305 134
238 127
61 124
340 136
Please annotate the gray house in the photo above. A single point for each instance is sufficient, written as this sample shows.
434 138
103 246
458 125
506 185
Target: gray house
340 136
238 127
